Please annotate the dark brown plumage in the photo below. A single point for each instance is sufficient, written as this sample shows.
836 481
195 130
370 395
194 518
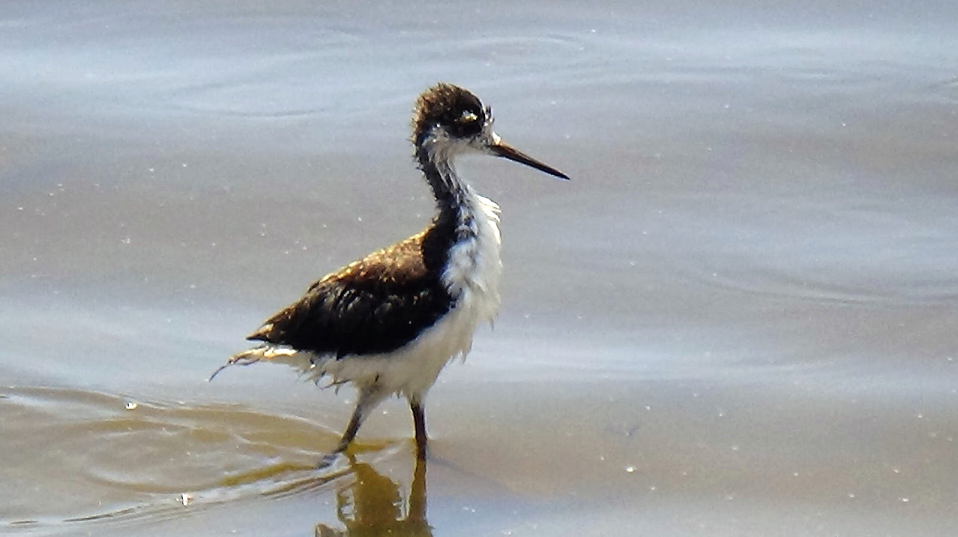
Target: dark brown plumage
371 306
458 111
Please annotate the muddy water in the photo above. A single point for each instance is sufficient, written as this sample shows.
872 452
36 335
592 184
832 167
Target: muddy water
737 319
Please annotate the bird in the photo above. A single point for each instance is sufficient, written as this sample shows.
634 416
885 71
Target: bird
388 323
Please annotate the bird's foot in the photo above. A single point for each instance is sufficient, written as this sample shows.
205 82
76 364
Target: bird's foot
330 459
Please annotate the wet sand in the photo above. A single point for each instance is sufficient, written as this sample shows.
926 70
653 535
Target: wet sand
737 319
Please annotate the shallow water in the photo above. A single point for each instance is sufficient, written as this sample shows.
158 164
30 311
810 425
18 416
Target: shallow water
737 319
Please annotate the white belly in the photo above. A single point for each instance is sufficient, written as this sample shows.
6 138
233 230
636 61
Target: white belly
412 369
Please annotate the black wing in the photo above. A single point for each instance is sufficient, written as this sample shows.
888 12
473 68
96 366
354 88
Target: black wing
372 306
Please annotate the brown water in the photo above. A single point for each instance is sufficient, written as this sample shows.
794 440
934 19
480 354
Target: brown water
737 319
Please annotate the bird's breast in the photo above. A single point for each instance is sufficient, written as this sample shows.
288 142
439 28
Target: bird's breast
474 265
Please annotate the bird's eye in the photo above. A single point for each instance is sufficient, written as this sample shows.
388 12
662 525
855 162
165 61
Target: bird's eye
467 123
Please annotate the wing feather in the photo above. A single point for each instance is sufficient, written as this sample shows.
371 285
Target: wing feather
372 306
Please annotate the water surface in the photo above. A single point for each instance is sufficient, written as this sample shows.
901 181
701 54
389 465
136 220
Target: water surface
737 319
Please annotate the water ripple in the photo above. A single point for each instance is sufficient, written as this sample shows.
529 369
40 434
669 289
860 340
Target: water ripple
119 460
947 89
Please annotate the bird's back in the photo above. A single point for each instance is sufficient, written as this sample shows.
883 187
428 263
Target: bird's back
372 306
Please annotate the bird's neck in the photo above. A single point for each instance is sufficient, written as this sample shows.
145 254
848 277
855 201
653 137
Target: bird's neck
469 226
449 190
454 198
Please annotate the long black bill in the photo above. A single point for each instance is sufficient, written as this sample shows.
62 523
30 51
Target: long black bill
505 150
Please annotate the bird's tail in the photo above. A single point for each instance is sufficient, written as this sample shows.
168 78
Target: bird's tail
251 356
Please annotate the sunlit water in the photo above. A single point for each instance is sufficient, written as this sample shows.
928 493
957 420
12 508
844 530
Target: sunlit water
737 319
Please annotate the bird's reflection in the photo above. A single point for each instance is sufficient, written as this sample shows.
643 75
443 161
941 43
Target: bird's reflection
373 504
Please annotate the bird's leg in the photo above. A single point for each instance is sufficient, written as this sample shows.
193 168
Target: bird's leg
369 397
419 420
417 494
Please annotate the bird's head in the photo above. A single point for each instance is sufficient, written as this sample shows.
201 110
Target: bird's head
450 120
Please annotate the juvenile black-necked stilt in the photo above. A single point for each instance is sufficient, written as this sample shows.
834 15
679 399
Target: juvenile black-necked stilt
390 322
